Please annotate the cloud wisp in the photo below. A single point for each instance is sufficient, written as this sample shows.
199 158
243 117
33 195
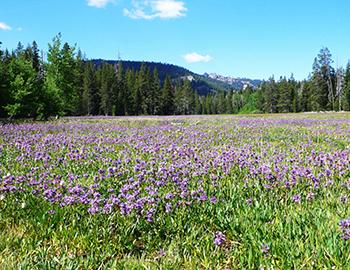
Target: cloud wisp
4 26
99 3
196 58
152 9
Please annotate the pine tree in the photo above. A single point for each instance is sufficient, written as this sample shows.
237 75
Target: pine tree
178 99
323 80
221 102
284 101
208 106
198 104
79 82
347 87
184 98
142 94
106 80
167 97
270 96
156 93
90 99
41 97
130 90
294 94
122 95
229 107
36 57
260 99
339 89
137 94
4 82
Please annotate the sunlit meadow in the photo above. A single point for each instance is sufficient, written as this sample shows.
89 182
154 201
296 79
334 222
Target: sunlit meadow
199 192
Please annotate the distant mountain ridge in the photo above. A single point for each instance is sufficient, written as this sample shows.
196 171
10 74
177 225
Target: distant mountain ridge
238 83
203 84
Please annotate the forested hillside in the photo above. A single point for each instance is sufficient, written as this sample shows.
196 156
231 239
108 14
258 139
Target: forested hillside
65 83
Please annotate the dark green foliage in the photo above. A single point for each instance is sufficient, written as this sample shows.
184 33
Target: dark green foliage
68 84
107 84
347 87
90 97
323 78
185 100
167 97
4 91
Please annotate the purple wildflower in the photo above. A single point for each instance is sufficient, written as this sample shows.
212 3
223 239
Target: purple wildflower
343 198
219 239
161 253
93 209
345 227
213 200
297 198
168 207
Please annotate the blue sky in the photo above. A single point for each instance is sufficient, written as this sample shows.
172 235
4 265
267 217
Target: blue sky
241 38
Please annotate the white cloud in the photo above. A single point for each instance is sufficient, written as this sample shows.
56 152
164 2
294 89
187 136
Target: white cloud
4 26
196 57
19 29
151 9
99 3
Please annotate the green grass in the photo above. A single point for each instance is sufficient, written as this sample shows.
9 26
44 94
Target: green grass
302 235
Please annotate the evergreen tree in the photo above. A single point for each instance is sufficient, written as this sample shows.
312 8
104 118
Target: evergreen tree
178 99
229 107
295 94
221 102
4 82
35 57
284 98
237 102
143 93
167 97
198 104
339 89
106 84
260 99
137 94
90 98
208 104
131 90
122 98
270 96
347 88
184 98
156 94
306 102
323 80
79 82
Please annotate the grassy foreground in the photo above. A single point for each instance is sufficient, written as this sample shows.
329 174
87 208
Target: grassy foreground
205 192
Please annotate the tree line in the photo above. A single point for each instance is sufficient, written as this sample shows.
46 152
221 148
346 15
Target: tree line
65 83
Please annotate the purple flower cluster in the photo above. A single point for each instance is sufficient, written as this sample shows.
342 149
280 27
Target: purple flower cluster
219 239
110 166
345 227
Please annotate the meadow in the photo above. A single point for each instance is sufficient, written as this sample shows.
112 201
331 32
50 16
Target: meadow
186 192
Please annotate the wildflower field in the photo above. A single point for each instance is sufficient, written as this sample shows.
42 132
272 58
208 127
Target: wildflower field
201 192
